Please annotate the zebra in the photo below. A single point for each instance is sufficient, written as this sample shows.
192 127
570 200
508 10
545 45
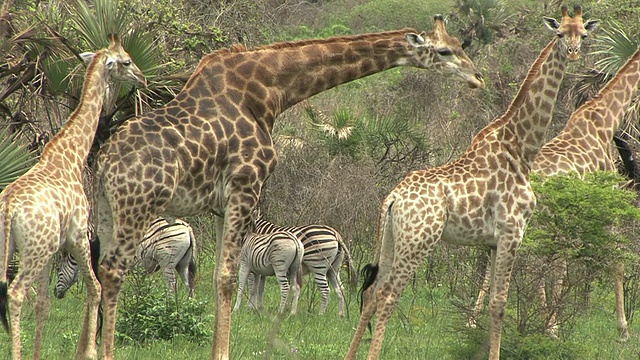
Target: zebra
166 245
324 252
279 253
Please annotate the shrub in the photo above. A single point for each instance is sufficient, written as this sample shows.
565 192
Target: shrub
148 314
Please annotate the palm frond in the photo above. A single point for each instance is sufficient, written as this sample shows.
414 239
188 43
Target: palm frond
15 159
616 46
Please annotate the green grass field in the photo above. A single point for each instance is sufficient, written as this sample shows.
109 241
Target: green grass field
425 326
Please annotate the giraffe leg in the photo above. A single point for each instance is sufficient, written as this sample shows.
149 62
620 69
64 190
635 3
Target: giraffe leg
502 262
369 303
43 303
111 280
391 287
87 341
477 307
623 329
232 230
560 273
16 298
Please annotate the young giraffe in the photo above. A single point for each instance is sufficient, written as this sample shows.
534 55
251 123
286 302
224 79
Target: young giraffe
210 149
584 146
46 208
482 198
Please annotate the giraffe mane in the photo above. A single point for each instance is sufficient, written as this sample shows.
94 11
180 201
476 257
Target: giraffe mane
335 39
520 97
239 48
84 95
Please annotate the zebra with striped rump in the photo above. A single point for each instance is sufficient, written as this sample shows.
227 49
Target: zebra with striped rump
324 252
170 246
279 253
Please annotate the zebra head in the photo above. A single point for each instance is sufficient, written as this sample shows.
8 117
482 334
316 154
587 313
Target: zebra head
67 276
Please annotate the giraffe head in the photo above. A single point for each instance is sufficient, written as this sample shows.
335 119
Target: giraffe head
118 63
571 31
438 50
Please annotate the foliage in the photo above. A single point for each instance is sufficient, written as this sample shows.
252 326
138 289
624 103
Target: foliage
15 159
147 314
578 217
616 45
481 19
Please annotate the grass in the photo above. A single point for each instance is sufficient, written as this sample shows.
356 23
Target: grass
425 326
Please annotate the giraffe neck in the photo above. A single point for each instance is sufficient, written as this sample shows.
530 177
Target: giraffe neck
521 130
268 80
74 139
601 116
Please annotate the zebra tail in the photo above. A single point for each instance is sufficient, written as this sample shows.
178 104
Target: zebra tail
369 273
192 270
353 274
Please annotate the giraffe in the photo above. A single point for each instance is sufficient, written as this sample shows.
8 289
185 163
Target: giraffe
585 145
47 209
210 149
484 198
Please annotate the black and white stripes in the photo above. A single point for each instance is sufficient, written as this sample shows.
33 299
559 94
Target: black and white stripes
170 246
324 252
278 253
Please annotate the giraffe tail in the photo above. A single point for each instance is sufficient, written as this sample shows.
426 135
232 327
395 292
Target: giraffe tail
94 248
369 274
5 231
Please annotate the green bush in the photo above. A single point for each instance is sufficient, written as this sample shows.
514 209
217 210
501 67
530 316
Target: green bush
150 315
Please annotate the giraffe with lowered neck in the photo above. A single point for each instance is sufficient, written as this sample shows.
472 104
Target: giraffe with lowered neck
210 149
484 198
47 209
585 145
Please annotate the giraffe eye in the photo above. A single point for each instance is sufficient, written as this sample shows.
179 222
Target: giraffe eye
560 35
584 36
444 52
126 62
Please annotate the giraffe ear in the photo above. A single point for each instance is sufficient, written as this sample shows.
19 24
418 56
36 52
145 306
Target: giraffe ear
87 57
109 63
415 39
551 23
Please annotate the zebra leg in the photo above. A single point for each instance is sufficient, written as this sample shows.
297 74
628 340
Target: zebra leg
336 284
43 303
321 280
296 292
253 281
244 274
334 279
284 289
262 280
170 279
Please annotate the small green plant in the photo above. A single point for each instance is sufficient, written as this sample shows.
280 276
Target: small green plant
152 314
